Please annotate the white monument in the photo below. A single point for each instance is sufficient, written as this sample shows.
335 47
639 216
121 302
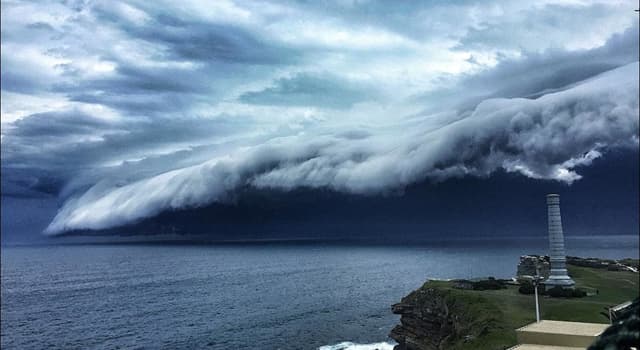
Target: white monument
558 275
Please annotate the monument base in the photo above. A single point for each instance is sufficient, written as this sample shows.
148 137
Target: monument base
564 282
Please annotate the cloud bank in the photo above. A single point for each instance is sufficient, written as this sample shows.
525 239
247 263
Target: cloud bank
171 107
543 138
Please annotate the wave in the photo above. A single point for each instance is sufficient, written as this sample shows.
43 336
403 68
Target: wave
354 346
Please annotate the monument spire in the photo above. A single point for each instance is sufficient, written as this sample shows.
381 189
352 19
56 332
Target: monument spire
558 275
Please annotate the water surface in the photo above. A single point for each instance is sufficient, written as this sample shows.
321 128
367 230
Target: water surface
242 296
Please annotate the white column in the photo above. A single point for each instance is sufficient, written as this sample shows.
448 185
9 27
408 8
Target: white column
558 275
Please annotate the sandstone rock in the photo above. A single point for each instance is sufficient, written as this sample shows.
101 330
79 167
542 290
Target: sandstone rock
528 264
431 318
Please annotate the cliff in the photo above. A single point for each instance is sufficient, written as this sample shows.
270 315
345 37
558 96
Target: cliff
437 317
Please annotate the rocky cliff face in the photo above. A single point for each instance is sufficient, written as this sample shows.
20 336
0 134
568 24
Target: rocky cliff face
439 318
611 265
425 321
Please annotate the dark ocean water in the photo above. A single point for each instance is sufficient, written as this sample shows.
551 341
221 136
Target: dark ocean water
240 296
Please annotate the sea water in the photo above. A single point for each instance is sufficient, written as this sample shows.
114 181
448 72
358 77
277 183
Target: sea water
239 296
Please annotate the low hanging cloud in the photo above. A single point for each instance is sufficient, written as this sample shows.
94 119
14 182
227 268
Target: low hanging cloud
544 138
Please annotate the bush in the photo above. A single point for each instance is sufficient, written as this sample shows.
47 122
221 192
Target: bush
526 288
579 293
490 283
559 292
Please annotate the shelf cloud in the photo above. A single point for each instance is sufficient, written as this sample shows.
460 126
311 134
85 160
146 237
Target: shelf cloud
170 107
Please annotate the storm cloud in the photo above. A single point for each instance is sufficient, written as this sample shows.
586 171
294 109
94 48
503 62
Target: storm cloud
126 110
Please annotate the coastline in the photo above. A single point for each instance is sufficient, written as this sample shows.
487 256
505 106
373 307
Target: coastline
442 314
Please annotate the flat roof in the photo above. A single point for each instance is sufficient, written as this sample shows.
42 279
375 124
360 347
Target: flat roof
542 347
564 327
621 306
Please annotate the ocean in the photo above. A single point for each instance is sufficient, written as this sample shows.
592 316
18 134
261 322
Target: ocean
296 295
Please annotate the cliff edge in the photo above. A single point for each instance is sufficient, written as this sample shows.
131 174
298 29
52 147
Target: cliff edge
436 317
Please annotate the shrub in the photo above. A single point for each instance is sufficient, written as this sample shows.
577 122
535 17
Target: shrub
526 288
579 293
490 283
559 292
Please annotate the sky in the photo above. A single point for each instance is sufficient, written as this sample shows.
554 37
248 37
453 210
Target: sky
130 113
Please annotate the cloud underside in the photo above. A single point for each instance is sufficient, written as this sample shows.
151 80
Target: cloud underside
542 138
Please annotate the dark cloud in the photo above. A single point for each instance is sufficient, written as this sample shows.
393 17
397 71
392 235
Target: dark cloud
15 79
537 73
553 69
206 42
192 39
57 124
73 140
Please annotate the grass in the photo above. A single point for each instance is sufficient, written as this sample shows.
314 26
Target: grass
506 309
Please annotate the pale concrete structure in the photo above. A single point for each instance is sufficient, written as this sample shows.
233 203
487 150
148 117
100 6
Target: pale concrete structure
543 347
548 334
558 275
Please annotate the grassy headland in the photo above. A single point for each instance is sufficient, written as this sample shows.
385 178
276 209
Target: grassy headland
487 319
